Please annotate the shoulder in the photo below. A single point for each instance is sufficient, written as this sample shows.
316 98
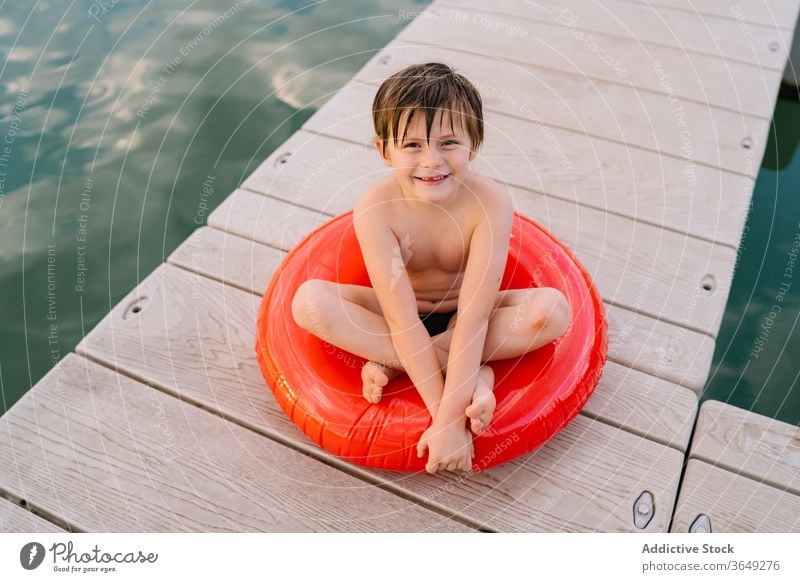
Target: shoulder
373 208
493 202
376 198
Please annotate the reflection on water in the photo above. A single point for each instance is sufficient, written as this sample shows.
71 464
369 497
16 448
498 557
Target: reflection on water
144 101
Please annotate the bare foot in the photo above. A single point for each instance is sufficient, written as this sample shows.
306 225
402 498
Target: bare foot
374 377
481 410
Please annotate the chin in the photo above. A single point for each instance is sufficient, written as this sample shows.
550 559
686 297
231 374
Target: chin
433 196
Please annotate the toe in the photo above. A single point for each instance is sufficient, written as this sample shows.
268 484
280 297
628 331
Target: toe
476 425
381 378
372 394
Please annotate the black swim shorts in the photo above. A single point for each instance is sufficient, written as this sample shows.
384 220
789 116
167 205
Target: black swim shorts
436 323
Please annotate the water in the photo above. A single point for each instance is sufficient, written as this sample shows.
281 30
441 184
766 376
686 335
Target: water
756 361
118 118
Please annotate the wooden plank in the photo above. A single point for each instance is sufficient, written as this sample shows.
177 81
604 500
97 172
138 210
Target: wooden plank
659 348
750 444
646 186
775 13
648 25
110 454
637 402
644 405
15 519
733 503
228 258
316 171
704 78
166 340
587 478
697 138
650 344
266 219
592 467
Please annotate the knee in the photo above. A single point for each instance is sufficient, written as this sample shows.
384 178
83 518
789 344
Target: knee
561 314
552 315
308 304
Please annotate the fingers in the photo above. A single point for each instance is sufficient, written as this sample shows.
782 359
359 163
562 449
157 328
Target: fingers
459 459
442 465
463 463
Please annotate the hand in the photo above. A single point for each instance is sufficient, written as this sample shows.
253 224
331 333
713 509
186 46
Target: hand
450 447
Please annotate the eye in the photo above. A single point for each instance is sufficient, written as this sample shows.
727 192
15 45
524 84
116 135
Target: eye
411 145
449 142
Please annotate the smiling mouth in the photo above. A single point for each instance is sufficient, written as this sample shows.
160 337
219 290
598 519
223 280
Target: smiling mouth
436 180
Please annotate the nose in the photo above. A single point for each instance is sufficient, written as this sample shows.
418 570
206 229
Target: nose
432 157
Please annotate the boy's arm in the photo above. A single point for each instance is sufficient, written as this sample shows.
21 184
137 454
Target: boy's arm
488 253
381 251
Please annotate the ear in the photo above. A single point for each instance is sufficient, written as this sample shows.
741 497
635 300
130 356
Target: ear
472 154
382 150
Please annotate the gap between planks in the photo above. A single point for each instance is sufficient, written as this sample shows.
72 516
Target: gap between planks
23 510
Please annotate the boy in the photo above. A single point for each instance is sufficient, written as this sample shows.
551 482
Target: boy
434 237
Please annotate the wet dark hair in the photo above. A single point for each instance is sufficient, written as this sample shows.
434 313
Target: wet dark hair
429 87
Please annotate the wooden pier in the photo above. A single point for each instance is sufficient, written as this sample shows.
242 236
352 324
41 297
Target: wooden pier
630 129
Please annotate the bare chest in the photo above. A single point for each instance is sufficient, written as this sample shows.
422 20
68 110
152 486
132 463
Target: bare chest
434 246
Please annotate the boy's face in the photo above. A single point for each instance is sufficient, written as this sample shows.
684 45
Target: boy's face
430 170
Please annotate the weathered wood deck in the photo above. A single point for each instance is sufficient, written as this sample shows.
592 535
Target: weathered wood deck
631 129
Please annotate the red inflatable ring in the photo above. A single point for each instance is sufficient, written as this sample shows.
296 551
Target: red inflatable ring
319 385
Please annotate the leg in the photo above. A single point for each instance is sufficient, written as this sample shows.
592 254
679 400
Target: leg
350 317
347 316
523 320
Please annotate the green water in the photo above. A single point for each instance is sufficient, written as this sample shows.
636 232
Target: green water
757 360
117 118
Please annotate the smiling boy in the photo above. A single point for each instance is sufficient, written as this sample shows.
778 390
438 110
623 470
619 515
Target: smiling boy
434 236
